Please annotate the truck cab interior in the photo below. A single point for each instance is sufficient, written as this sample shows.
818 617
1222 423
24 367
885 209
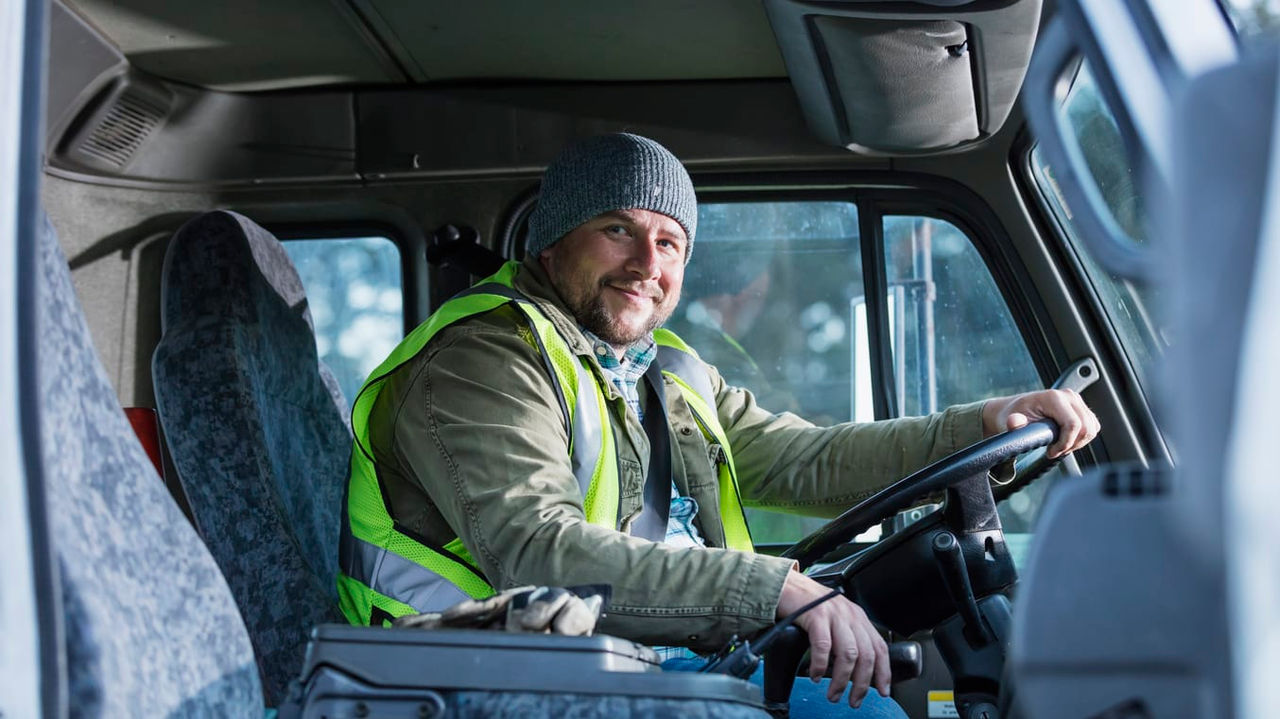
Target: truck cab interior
231 212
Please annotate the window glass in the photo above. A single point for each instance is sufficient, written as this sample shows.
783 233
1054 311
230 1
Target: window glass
1126 304
1254 18
774 298
954 339
768 299
354 293
1094 127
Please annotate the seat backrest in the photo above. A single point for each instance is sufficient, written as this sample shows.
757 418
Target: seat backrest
151 628
257 429
1126 609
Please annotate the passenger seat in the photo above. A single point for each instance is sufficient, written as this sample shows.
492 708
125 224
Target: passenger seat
257 429
150 627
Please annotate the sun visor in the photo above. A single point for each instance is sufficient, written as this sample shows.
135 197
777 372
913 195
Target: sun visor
905 78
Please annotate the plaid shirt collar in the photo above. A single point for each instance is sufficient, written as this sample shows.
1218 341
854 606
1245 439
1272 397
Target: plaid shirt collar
625 373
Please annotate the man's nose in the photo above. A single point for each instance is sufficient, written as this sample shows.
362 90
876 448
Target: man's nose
643 259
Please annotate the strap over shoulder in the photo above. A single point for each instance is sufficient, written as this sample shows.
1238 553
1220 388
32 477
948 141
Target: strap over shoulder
680 359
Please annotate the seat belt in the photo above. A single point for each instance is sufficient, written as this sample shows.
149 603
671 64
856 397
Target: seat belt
652 522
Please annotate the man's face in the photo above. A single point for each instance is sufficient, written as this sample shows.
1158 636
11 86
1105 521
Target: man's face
620 272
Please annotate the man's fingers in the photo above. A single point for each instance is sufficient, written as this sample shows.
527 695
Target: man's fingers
1091 424
863 670
883 676
1077 424
842 642
844 656
819 649
1083 421
1016 420
1064 408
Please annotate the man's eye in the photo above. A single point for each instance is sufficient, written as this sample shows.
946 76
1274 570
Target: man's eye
616 229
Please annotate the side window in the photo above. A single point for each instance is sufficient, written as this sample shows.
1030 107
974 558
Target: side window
954 340
775 299
354 292
768 300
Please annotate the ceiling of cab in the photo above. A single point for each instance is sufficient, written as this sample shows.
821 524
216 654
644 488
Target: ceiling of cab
255 45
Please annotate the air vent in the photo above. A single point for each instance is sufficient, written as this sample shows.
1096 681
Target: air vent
122 131
114 126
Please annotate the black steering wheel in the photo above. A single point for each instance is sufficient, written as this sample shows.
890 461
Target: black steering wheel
972 462
945 572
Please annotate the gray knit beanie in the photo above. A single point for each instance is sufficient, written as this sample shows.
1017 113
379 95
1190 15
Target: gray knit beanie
610 172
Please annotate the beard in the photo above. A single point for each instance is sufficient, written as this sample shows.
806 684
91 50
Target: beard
590 310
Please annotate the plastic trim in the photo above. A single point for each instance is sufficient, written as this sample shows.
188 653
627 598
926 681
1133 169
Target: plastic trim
33 659
875 290
514 662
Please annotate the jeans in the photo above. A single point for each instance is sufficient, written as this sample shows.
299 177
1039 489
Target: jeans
809 700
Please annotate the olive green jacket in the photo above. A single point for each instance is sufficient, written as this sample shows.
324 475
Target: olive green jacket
469 441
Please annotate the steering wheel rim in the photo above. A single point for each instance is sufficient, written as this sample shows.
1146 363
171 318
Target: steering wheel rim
979 457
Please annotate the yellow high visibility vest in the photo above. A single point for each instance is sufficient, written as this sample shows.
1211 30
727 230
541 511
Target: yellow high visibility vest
384 573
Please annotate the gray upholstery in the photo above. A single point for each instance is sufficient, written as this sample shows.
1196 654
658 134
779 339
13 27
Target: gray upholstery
256 428
151 627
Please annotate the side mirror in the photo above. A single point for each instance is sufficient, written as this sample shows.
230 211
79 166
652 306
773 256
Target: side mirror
1138 64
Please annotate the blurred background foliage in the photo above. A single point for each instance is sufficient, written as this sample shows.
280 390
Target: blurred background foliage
354 293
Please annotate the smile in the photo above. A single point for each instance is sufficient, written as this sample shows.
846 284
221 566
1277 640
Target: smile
634 295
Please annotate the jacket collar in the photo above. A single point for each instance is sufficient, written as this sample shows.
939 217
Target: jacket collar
532 281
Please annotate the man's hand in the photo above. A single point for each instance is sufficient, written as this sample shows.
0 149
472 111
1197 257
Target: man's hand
1077 425
840 638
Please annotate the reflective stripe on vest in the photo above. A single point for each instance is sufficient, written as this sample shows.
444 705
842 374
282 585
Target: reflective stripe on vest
386 573
397 577
682 365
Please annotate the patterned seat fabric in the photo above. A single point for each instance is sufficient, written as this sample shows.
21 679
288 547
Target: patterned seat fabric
151 627
257 429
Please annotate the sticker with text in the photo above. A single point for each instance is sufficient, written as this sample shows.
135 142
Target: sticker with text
942 705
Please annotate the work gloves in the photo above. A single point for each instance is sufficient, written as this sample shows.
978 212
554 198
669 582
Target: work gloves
571 612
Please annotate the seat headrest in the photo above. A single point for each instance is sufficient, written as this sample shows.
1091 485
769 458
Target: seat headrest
221 263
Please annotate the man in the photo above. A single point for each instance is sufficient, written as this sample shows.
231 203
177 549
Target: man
522 436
